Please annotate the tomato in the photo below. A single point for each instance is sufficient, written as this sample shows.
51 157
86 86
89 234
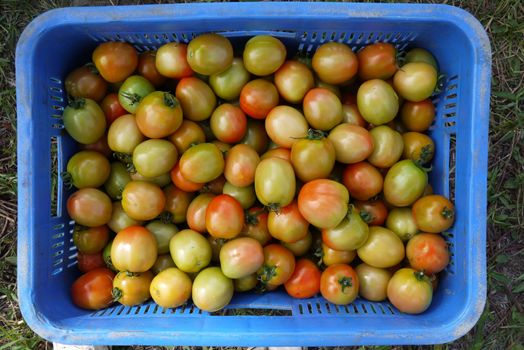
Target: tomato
427 252
263 55
339 284
258 97
92 291
181 182
351 115
410 291
255 136
404 183
112 108
147 68
119 219
163 262
373 282
158 115
224 217
87 169
287 224
107 256
301 246
89 262
275 183
314 157
401 221
373 212
418 147
293 80
279 264
335 63
415 81
89 207
279 152
196 97
222 146
171 61
142 200
190 251
377 61
433 213
177 203
160 180
134 249
421 55
90 240
332 256
188 133
382 249
85 82
241 162
123 134
377 102
324 203
171 288
322 109
285 125
209 54
352 143
305 280
212 290
132 91
202 163
227 84
255 225
163 233
241 257
245 284
196 212
352 233
115 60
84 120
417 116
362 180
228 123
215 186
332 88
154 157
131 289
244 195
388 146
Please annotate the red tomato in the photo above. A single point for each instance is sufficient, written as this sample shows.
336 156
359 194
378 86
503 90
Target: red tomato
339 284
228 123
374 213
255 225
147 68
287 225
324 203
241 257
115 60
433 213
112 107
305 280
224 217
134 249
170 61
279 264
181 182
377 61
85 82
92 290
196 212
258 97
88 262
362 180
177 203
427 252
335 63
241 163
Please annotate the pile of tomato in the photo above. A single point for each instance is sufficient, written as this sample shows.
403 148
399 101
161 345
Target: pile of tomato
201 174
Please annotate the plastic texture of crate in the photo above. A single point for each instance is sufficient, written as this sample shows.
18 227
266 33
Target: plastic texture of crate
60 40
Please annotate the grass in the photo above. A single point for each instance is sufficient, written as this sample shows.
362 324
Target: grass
501 326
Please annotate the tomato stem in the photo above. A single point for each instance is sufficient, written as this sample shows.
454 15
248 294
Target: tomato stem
92 68
314 134
117 294
127 160
267 273
77 103
420 275
441 80
170 100
420 165
447 213
425 154
345 282
274 207
366 216
252 218
133 98
166 217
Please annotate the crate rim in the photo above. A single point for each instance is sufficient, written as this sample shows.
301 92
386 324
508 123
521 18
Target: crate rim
63 16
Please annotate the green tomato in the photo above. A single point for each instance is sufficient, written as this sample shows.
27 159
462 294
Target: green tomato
84 120
244 195
275 182
212 290
404 183
190 251
227 84
117 180
163 233
132 91
377 102
88 169
154 157
202 163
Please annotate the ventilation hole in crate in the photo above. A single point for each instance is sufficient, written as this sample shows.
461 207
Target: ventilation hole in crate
72 248
192 309
54 175
373 308
319 310
58 235
56 89
57 244
119 310
155 309
451 96
58 226
57 108
55 80
57 253
450 115
313 37
387 37
300 309
164 310
303 37
449 124
57 126
450 105
342 37
72 256
452 163
156 37
336 308
351 37
359 38
184 37
323 37
333 36
328 308
381 309
249 312
309 308
452 87
370 38
174 37
56 271
363 307
71 264
58 262
355 309
390 308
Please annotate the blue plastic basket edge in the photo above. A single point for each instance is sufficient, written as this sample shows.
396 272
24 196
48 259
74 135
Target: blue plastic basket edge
479 132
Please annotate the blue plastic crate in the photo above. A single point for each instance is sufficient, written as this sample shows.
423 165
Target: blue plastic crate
63 39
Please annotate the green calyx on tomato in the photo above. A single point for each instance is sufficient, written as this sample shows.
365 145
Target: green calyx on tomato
366 216
314 134
421 276
170 100
447 213
345 282
117 294
266 273
251 218
77 103
127 160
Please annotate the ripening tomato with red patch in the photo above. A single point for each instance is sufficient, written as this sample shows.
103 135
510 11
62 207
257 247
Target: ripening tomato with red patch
410 291
287 225
377 61
433 213
305 280
362 180
258 97
92 291
339 284
112 108
86 82
147 68
181 182
224 217
279 264
335 63
134 249
228 123
373 212
171 61
115 60
241 163
427 252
